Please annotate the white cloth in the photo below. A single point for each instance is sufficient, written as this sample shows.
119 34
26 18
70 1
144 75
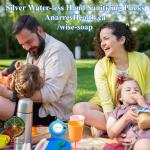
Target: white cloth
124 73
57 67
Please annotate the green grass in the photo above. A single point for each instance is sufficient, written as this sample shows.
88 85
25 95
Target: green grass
85 71
86 84
6 62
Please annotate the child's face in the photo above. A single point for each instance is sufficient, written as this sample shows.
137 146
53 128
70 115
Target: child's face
128 88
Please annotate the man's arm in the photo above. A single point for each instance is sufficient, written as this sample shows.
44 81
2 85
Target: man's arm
6 93
37 97
58 68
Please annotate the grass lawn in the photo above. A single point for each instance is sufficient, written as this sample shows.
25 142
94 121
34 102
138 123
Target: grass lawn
85 70
86 84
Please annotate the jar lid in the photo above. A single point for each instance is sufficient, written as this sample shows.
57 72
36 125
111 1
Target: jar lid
57 128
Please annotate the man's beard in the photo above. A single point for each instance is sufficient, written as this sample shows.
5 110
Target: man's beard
40 49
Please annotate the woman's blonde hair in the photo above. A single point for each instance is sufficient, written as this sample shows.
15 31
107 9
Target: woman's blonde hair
118 91
27 80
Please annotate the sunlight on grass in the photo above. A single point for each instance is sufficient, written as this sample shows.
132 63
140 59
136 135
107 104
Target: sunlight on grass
86 84
6 62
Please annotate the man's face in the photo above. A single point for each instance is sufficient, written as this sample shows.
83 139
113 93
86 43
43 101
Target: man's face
32 42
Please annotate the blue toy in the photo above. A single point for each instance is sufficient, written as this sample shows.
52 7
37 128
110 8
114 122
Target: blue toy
57 129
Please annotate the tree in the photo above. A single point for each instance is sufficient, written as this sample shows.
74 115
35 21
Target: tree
143 35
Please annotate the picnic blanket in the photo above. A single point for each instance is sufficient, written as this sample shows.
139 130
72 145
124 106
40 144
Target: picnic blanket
90 143
99 144
87 143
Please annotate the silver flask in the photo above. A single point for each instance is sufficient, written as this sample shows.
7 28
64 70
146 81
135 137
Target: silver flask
24 111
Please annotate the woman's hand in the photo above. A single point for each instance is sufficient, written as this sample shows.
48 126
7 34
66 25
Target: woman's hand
5 92
4 72
139 99
131 115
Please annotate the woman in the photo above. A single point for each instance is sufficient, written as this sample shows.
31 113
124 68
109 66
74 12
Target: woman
115 44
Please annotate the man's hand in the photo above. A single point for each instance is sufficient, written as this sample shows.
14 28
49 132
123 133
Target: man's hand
139 99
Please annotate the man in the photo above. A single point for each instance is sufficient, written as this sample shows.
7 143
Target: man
57 67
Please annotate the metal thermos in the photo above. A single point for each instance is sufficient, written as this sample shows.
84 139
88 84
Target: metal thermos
24 111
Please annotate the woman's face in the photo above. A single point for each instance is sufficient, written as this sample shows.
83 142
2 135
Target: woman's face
128 88
110 44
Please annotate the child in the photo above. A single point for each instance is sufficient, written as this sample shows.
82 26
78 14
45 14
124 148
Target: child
25 80
124 118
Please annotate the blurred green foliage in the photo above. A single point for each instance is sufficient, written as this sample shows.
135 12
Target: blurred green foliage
9 47
143 35
71 38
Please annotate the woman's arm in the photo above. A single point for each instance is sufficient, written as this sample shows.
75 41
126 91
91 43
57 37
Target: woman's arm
115 127
147 79
103 90
107 115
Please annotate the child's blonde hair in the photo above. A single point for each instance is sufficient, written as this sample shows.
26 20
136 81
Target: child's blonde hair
118 91
27 80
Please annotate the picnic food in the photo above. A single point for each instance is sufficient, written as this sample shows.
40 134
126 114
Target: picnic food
4 140
14 126
144 118
34 131
4 80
